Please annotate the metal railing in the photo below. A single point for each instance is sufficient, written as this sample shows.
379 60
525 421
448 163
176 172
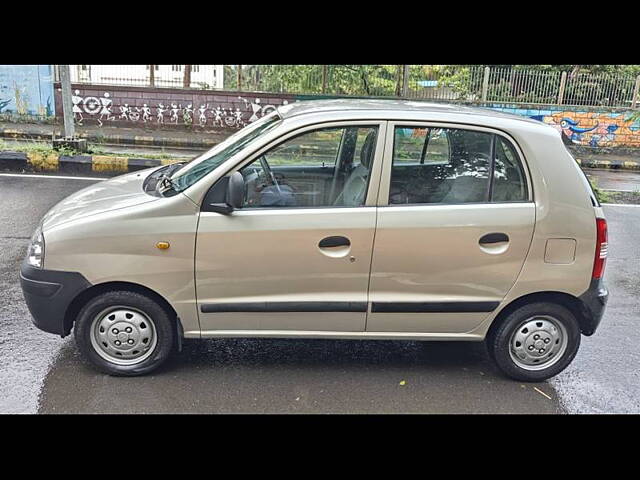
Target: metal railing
522 86
451 83
172 76
601 90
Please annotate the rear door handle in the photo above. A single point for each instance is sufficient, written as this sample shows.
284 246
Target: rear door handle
493 238
331 242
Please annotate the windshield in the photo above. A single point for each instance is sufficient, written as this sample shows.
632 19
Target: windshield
193 171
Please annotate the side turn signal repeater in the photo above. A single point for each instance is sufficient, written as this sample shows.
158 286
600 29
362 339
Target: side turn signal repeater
163 245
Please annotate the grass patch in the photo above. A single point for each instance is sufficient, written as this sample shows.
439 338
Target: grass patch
630 198
46 149
601 195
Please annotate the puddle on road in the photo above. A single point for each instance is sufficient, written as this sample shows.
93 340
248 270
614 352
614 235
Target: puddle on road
26 353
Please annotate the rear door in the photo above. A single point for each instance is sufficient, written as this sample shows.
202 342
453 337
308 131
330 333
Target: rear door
297 256
454 226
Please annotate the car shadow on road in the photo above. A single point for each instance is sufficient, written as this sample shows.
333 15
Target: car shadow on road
300 376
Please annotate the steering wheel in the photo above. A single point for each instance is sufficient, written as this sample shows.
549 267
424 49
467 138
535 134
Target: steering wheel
267 168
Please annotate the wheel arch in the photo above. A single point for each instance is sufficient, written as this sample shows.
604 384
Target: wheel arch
574 304
86 295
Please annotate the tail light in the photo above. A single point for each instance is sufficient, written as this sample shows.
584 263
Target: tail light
601 248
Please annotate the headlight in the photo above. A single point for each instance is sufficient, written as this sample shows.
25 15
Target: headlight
35 253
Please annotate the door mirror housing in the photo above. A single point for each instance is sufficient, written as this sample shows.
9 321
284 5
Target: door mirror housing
231 189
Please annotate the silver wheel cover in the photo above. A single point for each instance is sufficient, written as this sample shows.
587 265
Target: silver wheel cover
538 343
123 335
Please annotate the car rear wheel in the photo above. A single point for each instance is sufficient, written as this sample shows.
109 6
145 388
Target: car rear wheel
124 333
535 342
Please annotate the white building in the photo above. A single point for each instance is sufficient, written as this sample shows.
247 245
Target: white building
202 76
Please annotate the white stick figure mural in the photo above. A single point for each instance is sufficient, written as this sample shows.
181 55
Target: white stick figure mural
218 113
101 108
238 117
160 112
174 112
105 109
134 116
187 114
146 113
202 119
76 99
258 110
255 107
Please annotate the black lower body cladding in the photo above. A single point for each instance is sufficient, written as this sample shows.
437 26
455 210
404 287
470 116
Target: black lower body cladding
594 301
48 294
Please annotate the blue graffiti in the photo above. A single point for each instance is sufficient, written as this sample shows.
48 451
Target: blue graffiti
4 104
572 125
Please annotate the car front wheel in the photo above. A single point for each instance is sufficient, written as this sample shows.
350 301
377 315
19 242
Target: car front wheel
124 333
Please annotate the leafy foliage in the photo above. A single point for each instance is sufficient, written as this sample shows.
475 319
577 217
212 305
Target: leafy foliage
519 83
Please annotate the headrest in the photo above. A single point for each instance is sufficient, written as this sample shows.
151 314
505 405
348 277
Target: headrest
366 153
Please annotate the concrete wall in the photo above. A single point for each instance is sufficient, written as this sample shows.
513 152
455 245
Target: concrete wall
168 107
585 126
26 91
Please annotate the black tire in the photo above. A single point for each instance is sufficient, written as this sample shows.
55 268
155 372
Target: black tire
163 322
498 343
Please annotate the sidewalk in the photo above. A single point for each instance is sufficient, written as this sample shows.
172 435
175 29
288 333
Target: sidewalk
168 137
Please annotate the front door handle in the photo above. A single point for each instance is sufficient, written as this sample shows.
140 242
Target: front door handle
332 242
493 238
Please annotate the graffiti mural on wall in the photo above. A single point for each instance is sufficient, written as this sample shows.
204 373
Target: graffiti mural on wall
594 129
26 90
102 109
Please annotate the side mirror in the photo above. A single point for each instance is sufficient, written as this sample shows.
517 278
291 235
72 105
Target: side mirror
233 196
235 190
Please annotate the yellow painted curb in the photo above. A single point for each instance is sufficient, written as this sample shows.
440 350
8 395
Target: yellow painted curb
42 162
103 163
169 161
142 139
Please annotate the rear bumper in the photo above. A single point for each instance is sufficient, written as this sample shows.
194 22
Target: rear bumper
594 301
48 294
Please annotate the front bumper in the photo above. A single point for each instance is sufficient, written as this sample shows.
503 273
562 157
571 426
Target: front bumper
594 301
48 294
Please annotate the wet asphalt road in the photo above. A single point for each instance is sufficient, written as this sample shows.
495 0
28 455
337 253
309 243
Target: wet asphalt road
613 179
43 373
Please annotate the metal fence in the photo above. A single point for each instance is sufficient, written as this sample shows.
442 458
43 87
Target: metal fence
451 83
518 86
172 76
602 90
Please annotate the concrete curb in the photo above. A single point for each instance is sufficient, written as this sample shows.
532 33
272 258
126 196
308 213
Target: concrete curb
139 140
612 164
76 164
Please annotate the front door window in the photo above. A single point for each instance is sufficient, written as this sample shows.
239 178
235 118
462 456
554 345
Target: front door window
329 167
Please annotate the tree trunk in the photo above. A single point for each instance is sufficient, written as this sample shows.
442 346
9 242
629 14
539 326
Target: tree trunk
187 76
152 76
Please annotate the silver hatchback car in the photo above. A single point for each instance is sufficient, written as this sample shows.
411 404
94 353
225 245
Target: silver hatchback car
350 219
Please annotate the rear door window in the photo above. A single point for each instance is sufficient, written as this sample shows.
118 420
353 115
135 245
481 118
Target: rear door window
509 181
455 168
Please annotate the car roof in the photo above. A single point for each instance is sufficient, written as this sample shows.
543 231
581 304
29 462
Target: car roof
395 109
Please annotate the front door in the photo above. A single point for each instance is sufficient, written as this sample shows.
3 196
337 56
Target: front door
454 226
297 255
